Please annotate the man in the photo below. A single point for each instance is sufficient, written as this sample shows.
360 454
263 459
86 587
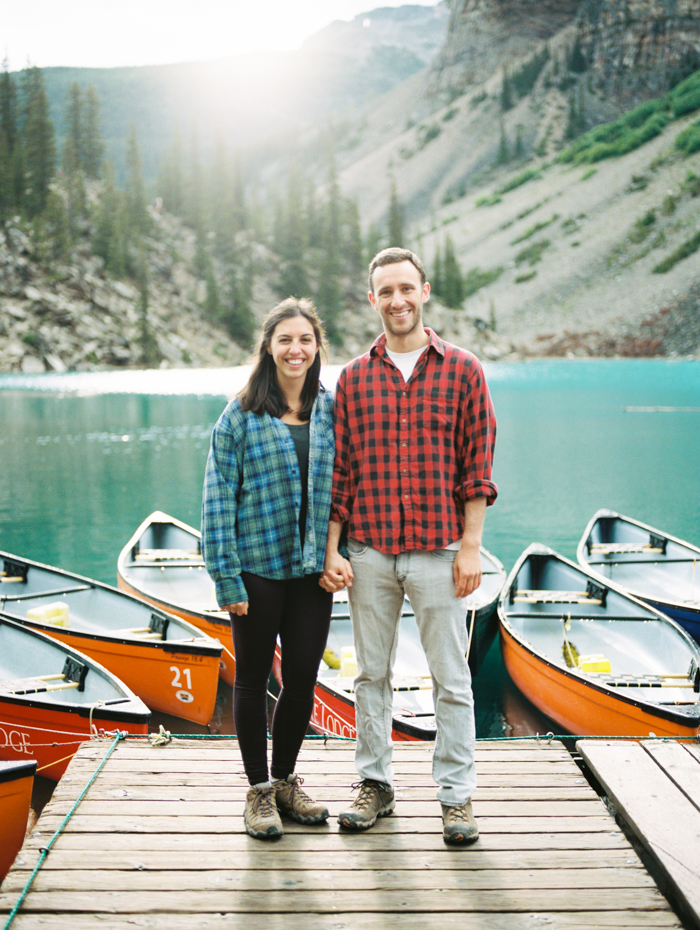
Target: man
415 432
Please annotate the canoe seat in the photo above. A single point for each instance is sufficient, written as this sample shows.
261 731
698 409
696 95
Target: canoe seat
168 555
622 548
594 594
72 676
655 546
14 571
157 628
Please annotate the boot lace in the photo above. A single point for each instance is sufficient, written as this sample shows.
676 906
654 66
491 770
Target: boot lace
367 791
262 802
457 814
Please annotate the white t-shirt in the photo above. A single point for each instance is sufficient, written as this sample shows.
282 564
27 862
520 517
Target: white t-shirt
406 361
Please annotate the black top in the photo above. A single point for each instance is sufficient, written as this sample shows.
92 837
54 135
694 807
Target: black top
300 435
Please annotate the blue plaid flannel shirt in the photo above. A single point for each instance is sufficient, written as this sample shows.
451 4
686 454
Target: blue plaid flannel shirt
252 498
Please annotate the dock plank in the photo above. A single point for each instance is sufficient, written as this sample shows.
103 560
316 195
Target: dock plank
158 842
642 781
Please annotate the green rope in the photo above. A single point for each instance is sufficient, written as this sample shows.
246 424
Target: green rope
535 737
45 849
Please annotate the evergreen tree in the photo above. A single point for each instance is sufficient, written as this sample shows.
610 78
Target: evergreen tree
194 192
291 238
328 296
110 238
353 239
171 180
373 241
453 283
72 159
577 61
236 313
93 151
51 231
8 109
137 216
395 219
11 180
150 353
506 93
503 156
39 143
71 156
212 306
436 278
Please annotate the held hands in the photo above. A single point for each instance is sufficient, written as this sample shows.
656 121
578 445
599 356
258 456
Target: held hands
467 570
337 573
241 608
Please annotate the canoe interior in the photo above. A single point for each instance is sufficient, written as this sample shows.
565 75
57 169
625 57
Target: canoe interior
27 655
166 563
660 567
93 609
631 636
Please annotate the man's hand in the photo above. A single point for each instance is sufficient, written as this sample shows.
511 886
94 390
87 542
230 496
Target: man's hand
467 570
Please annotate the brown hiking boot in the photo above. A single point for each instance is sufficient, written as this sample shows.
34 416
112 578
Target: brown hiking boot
459 825
374 800
261 817
296 803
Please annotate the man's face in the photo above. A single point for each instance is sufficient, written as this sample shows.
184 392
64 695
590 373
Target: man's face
398 295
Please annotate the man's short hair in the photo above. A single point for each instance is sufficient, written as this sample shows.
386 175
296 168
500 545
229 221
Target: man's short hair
391 257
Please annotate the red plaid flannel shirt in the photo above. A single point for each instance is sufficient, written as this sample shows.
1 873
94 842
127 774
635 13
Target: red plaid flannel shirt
408 455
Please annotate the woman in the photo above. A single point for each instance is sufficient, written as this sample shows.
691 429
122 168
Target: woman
265 513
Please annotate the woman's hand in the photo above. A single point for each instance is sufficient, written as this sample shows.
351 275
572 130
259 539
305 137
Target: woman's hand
241 608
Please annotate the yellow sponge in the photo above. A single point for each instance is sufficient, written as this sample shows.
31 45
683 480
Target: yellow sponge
55 614
330 658
594 663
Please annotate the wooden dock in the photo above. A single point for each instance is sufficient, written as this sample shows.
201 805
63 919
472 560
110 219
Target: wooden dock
158 842
654 789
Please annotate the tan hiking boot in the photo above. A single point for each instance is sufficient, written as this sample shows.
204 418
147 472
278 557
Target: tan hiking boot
459 825
261 817
374 800
295 802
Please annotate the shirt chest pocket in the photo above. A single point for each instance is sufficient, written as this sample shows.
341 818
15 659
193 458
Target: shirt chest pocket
436 410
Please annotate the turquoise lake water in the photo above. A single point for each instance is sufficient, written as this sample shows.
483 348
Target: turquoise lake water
84 458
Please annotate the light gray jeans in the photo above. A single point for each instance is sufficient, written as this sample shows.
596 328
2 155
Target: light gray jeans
376 600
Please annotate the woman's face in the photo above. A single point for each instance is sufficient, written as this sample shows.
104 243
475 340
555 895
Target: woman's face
293 348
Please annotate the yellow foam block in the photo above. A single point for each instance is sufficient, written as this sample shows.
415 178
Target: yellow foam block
55 613
348 662
594 663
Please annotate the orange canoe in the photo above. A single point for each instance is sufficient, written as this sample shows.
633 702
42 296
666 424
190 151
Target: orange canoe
53 698
162 563
16 783
594 659
166 661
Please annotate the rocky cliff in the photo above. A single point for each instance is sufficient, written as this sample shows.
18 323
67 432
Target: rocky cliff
637 49
486 35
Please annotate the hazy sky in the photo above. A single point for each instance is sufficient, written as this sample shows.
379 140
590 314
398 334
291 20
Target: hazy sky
112 33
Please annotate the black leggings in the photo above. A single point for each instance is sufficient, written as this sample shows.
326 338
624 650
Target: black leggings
299 612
